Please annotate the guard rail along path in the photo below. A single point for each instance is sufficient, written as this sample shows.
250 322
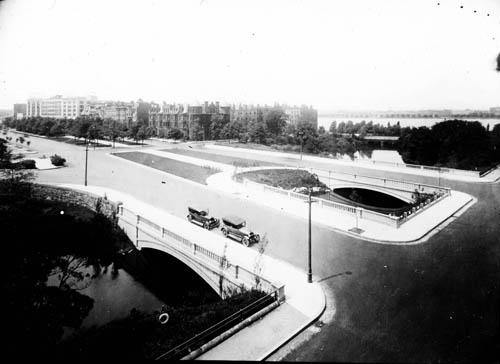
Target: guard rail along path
360 213
213 267
377 181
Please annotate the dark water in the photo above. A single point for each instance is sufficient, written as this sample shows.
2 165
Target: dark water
142 280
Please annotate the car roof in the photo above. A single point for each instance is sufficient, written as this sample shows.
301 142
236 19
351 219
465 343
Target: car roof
233 219
198 209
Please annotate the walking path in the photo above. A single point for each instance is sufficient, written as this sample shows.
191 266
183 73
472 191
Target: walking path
468 176
304 301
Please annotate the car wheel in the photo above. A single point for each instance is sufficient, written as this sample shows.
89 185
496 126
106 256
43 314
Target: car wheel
224 231
206 225
245 242
190 219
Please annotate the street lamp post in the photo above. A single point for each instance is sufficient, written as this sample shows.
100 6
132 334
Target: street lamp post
309 271
87 153
86 159
301 136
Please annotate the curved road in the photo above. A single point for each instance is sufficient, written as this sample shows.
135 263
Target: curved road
437 301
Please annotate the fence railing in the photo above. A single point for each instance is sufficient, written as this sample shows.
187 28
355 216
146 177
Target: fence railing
200 252
377 181
358 212
205 336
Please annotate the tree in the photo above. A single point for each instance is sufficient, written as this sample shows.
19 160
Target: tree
257 132
275 121
196 132
5 154
175 134
133 132
321 130
217 124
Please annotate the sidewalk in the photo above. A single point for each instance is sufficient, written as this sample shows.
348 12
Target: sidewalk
304 301
412 231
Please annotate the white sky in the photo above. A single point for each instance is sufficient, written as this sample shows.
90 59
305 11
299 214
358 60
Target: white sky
345 54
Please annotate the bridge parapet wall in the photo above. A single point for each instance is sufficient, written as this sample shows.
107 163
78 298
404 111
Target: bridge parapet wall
356 212
377 181
216 269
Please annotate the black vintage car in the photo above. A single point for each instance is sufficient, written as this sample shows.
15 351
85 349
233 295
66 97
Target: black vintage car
200 217
236 226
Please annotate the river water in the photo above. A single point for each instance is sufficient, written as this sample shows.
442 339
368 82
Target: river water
142 280
325 121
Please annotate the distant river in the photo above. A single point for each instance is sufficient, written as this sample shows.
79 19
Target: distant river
325 121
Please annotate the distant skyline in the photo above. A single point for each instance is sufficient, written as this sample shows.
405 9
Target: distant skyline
334 55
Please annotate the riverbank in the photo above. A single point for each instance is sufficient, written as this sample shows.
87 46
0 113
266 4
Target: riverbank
61 251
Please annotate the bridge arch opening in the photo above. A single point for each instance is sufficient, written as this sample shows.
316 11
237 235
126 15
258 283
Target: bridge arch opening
185 284
370 199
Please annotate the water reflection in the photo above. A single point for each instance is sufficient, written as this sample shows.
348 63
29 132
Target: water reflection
141 280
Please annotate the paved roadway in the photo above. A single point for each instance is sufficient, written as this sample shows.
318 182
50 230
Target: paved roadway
430 302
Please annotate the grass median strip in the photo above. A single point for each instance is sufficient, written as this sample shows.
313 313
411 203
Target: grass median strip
226 159
181 169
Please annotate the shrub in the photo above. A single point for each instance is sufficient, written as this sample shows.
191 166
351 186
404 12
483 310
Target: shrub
57 160
25 164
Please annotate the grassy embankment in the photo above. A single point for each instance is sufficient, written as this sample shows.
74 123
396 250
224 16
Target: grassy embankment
234 161
282 178
181 169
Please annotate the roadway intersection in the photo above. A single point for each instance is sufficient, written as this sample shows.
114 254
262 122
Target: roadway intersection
430 302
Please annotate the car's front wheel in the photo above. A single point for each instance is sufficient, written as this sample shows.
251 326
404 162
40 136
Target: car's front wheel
206 225
245 241
224 231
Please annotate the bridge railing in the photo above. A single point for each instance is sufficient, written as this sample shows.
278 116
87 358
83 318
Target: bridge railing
198 251
376 181
343 208
357 212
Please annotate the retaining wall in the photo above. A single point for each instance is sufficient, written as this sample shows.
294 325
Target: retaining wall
61 194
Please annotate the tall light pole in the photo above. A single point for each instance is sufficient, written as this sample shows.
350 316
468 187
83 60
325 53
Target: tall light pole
87 153
86 158
309 271
301 136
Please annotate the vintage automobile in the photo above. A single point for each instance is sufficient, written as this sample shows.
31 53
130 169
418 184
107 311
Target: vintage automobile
201 217
235 226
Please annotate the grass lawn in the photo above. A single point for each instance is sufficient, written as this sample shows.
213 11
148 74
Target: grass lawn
79 142
235 161
284 178
185 170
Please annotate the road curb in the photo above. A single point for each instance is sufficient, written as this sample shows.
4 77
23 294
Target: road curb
217 340
299 330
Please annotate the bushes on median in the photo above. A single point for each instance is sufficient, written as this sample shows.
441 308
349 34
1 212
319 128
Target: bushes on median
57 160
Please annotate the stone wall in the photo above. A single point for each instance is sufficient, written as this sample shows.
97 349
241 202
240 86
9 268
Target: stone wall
89 200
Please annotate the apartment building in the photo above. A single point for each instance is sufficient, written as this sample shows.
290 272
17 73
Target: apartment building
19 111
57 107
193 120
